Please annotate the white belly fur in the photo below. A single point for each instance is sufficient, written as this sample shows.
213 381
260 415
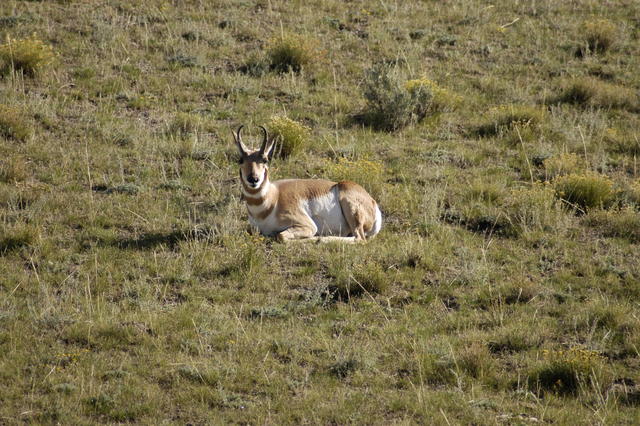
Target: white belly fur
326 213
268 226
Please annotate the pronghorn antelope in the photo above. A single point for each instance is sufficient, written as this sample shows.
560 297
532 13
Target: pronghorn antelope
296 209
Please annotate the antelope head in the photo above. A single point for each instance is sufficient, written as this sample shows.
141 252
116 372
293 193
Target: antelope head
253 163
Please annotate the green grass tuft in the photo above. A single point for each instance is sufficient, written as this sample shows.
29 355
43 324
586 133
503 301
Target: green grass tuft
598 36
368 173
13 170
625 140
442 98
511 118
358 280
293 52
29 56
631 194
621 224
16 237
133 288
585 191
560 165
534 208
591 92
14 124
184 123
563 372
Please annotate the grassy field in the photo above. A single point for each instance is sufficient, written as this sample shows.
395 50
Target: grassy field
501 141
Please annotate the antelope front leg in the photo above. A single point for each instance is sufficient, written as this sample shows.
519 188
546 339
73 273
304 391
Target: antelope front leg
296 233
330 239
327 239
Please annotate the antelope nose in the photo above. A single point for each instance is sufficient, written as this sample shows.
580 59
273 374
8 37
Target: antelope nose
252 179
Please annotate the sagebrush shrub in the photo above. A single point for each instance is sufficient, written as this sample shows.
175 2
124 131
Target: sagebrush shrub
292 52
29 55
585 191
442 99
291 135
390 104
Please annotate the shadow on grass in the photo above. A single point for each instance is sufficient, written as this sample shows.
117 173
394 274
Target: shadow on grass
151 240
482 223
170 240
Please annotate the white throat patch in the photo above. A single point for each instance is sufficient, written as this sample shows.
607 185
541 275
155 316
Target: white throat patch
264 189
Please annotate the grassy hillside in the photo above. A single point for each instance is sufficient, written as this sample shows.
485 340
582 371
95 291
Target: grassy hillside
501 141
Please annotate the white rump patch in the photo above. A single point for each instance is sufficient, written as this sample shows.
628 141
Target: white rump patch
377 224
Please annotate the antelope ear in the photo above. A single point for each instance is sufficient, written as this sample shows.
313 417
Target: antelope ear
237 136
269 149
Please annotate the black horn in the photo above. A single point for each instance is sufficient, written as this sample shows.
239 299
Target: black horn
238 137
265 140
